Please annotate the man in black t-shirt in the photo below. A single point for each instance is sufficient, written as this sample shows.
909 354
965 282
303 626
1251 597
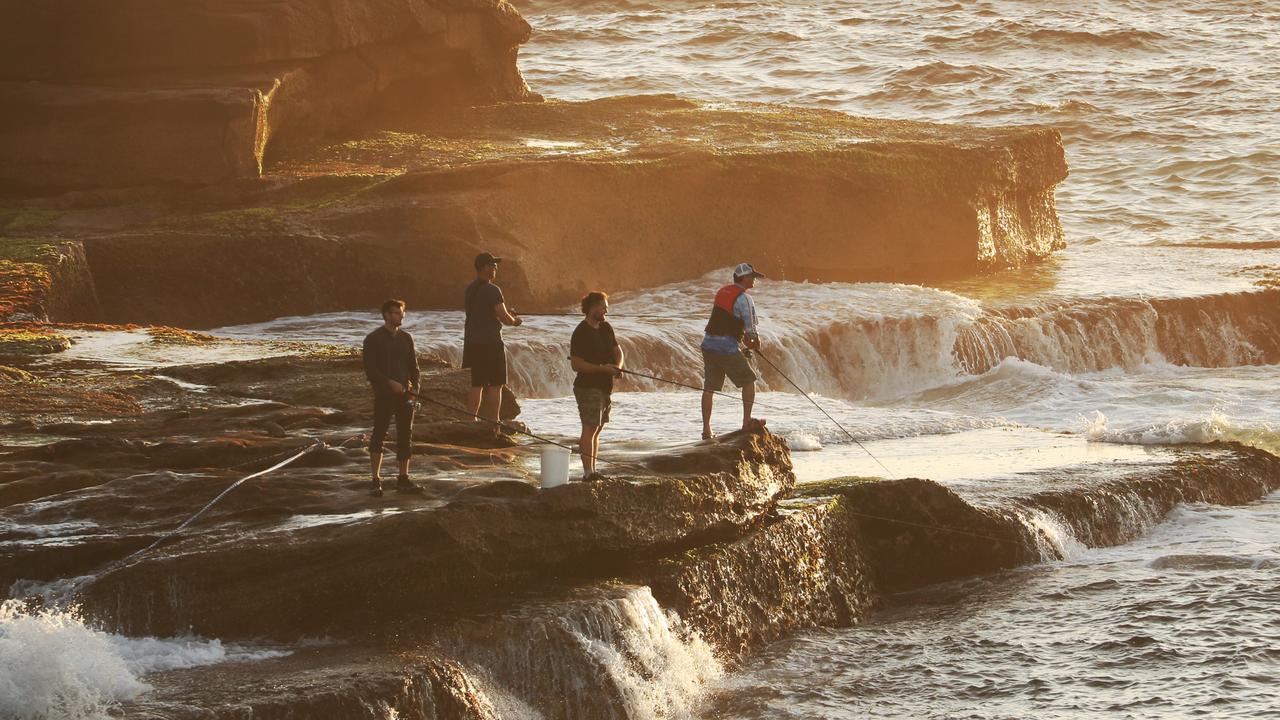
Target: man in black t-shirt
597 358
391 364
482 348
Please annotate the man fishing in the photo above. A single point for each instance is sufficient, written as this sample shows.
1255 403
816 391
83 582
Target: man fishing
597 359
732 324
482 348
391 364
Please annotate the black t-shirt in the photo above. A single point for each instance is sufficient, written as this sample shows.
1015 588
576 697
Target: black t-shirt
389 357
482 326
595 345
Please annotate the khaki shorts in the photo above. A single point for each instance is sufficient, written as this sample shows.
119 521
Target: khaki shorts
594 405
719 365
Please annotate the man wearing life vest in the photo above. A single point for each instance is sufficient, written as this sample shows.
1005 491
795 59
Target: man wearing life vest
732 324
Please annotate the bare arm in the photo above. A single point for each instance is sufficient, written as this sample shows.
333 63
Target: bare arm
505 316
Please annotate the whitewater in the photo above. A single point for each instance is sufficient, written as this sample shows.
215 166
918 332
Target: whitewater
1158 324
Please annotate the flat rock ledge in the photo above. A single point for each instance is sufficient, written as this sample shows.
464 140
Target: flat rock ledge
110 94
621 194
488 543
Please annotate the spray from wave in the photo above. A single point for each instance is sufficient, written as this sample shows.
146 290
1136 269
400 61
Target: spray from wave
1217 427
55 667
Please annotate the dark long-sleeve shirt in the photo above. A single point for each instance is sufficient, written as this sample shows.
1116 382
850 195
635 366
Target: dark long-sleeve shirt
390 357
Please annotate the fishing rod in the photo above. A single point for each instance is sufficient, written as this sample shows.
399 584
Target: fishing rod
620 317
824 412
513 429
693 387
509 428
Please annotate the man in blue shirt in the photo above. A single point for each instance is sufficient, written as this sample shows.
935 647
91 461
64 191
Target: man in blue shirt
732 324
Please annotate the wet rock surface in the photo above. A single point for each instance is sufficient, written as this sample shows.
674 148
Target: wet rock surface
369 682
484 596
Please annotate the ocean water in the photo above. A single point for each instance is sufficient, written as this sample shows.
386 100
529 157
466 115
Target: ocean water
1141 332
1154 326
1181 623
54 666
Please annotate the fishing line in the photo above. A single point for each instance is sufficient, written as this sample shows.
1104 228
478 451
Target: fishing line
316 445
824 412
619 317
514 430
499 423
695 387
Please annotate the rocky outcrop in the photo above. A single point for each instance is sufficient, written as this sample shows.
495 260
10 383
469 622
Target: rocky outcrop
619 194
354 683
39 279
829 560
143 91
482 546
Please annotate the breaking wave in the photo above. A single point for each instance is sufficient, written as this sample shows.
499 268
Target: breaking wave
1217 427
55 667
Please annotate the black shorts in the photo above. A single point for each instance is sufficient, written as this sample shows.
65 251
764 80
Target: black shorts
386 406
488 363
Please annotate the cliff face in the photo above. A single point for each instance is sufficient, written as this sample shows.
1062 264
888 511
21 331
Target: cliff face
618 194
147 91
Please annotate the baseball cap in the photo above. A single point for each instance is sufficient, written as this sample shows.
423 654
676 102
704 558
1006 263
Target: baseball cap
485 258
746 269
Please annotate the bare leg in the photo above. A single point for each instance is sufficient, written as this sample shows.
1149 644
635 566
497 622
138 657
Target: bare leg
404 465
473 402
586 448
748 399
375 465
491 407
595 446
707 397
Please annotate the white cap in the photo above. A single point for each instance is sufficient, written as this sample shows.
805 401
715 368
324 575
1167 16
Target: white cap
745 269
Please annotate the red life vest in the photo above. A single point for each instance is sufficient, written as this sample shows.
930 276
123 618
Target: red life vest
723 321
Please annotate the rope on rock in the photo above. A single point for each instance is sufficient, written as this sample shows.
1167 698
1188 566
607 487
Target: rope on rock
316 445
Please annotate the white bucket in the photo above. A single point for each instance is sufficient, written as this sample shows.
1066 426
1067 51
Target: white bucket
555 466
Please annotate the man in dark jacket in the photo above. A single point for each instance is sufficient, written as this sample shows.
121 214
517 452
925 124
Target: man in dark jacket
391 364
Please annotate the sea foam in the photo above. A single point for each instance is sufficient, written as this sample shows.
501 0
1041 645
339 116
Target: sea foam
55 667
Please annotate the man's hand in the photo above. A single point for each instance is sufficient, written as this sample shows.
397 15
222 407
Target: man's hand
396 387
518 320
752 344
613 370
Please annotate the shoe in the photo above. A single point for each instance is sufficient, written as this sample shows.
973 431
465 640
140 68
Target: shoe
403 485
375 488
